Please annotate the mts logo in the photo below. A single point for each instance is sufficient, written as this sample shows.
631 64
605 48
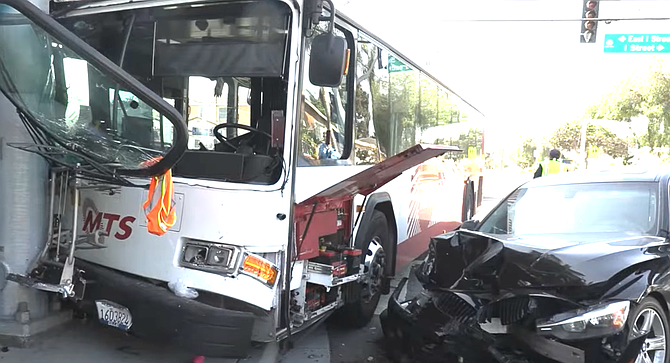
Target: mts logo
94 221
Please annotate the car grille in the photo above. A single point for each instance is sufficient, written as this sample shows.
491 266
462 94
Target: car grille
509 311
453 305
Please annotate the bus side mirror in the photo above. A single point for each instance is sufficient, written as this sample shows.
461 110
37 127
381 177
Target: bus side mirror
327 60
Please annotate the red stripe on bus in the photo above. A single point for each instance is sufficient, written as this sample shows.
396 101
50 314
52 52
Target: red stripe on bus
413 247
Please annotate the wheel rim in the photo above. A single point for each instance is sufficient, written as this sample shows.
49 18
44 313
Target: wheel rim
649 321
373 270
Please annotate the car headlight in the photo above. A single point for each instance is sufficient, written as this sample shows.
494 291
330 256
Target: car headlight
594 322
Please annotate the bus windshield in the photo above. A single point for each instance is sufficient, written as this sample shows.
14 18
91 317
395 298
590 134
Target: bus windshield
68 100
222 66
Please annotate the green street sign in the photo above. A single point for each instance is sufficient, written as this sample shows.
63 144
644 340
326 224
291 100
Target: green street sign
637 43
396 65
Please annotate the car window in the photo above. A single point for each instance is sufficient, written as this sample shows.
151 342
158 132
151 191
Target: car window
579 208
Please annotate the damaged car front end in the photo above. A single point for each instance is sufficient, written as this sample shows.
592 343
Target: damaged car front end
510 297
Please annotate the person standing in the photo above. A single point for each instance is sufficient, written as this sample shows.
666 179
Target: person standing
324 150
551 166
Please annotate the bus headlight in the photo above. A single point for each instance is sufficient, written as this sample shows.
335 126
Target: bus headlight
228 260
207 256
219 256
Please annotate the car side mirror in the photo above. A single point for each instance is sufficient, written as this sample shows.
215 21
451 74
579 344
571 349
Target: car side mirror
469 225
327 60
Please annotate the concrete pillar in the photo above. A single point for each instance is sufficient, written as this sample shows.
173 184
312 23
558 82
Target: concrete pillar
23 221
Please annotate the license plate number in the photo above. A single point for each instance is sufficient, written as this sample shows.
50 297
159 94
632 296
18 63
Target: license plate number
113 314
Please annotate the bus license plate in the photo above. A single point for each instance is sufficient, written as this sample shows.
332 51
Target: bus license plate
113 314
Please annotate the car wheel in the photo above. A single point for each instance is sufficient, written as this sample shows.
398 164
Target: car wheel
649 317
361 298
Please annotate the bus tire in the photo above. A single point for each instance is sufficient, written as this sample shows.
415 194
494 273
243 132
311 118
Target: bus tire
361 299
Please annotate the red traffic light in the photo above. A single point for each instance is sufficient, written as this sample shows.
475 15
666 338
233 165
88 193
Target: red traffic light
591 5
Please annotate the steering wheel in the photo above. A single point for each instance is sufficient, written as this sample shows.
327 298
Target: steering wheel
237 126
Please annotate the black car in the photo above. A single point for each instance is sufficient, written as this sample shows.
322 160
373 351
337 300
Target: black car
568 268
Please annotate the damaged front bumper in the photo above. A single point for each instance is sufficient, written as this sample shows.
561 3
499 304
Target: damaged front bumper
442 326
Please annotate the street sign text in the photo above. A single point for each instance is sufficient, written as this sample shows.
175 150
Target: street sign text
637 43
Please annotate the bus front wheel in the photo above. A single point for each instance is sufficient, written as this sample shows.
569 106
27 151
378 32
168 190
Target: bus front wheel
361 298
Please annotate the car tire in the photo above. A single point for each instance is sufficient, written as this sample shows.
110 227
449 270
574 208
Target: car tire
359 304
650 309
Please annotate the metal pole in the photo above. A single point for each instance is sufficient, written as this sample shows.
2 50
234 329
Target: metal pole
24 192
582 143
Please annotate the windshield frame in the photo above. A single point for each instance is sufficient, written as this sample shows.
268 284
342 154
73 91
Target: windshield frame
661 203
114 72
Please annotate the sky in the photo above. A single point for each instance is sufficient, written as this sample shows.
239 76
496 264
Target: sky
526 77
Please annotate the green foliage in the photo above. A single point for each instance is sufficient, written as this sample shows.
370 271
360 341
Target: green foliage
647 94
309 142
362 113
567 138
526 154
473 138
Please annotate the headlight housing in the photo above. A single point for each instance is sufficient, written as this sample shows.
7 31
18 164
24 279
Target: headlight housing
597 321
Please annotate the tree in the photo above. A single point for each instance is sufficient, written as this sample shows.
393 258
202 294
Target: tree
526 154
567 138
647 94
473 138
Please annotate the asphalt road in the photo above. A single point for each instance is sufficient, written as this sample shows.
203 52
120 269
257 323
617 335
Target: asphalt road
366 345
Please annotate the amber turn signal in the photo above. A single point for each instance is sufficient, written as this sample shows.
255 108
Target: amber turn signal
260 268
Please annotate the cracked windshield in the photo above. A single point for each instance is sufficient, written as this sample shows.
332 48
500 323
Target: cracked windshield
335 181
80 110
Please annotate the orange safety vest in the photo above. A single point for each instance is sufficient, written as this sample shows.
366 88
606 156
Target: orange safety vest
158 206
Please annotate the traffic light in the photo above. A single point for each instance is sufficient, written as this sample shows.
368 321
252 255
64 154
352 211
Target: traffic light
589 26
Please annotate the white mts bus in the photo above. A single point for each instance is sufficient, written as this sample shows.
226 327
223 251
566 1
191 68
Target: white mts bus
315 193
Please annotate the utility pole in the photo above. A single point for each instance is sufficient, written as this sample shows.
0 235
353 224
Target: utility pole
24 312
582 143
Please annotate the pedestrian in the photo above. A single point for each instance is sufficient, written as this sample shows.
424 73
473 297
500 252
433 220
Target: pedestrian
324 150
551 166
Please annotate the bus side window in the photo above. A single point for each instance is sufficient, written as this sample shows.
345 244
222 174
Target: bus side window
387 104
367 147
324 114
397 107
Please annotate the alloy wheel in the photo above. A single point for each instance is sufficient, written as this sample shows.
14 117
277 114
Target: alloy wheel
375 261
654 347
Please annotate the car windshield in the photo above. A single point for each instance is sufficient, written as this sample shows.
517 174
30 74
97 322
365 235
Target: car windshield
625 208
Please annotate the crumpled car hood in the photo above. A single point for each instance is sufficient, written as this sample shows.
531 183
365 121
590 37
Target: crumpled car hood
466 260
